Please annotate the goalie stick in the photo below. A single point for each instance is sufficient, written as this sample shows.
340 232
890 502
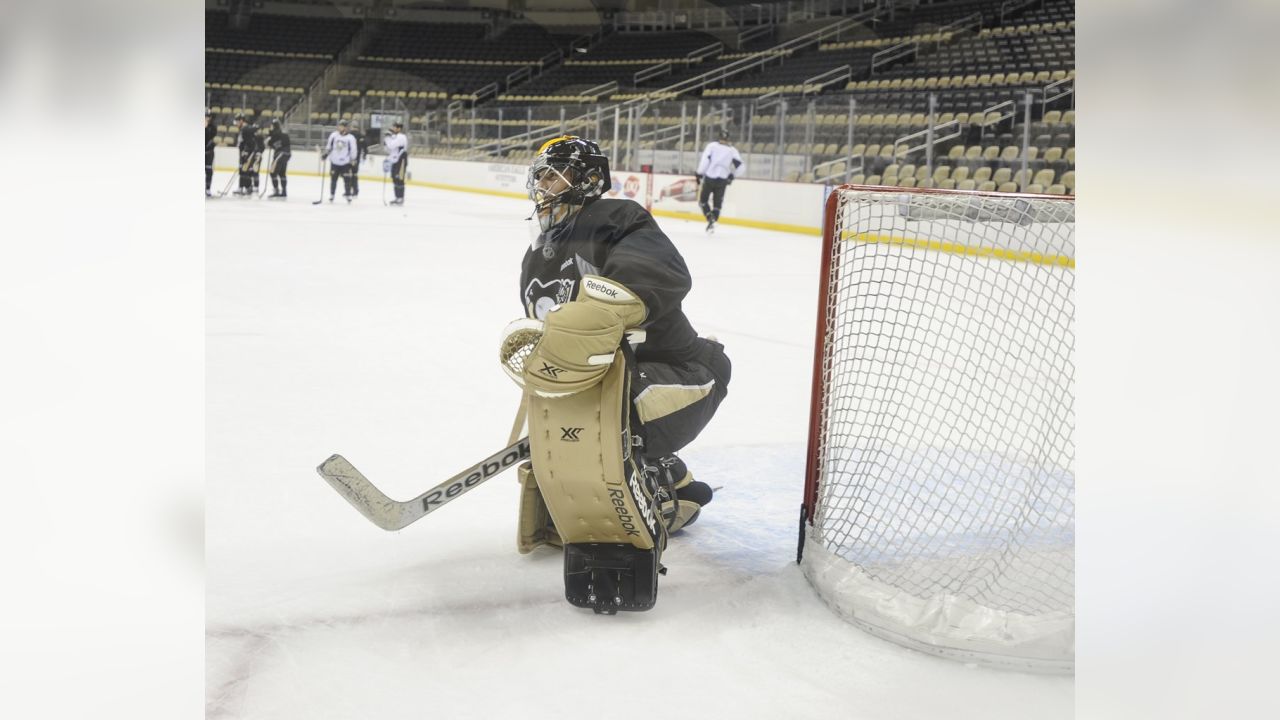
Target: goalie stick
391 514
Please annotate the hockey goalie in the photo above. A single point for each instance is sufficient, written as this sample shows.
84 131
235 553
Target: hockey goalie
615 382
616 379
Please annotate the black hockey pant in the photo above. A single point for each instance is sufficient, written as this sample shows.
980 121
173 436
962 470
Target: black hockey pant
398 169
355 178
674 401
248 170
208 169
279 180
336 171
712 190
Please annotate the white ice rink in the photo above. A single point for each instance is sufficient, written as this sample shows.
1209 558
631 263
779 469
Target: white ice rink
372 331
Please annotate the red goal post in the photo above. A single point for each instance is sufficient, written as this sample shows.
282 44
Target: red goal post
939 505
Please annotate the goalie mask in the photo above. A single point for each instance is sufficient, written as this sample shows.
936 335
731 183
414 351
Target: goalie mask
568 173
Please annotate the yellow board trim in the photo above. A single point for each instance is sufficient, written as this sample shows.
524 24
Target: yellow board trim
959 249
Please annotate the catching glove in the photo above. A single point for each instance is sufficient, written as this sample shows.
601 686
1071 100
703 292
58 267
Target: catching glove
580 337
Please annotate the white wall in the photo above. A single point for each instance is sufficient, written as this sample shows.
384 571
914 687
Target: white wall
794 207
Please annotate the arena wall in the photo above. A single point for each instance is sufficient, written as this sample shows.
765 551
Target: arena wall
790 207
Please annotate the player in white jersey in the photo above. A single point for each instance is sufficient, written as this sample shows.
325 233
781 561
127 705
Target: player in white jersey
397 162
719 163
340 151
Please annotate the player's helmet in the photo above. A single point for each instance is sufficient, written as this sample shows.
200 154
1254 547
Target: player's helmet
239 117
343 123
723 135
582 168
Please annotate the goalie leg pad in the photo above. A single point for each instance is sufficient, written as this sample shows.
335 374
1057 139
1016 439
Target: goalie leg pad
592 486
535 527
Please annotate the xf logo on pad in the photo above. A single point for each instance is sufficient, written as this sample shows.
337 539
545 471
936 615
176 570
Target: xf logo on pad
569 434
550 370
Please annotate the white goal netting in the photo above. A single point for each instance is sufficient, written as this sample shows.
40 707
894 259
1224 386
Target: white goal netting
940 494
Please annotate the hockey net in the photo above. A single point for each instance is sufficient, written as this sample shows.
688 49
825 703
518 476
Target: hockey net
939 506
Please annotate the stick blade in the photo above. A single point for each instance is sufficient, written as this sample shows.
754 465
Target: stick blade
351 484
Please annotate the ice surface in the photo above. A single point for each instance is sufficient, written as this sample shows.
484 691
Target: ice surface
373 331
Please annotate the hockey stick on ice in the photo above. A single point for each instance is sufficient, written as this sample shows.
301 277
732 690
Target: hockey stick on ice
391 514
320 172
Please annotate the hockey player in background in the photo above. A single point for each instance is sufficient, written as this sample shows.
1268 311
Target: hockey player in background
355 165
340 151
678 379
397 162
278 141
719 163
247 141
210 141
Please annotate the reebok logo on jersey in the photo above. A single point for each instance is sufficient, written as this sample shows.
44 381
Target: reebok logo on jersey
566 263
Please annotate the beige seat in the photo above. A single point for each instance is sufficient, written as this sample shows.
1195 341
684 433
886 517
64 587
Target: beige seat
922 173
1057 189
948 184
960 173
1022 178
1035 189
1070 156
966 185
1053 154
941 173
873 180
907 182
973 152
926 183
956 152
1001 175
1053 117
991 152
1043 178
1069 180
982 174
1009 153
857 178
1009 187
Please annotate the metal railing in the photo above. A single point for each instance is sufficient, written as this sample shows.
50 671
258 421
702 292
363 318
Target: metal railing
653 71
1056 91
598 90
746 36
520 75
706 51
1009 7
725 72
818 83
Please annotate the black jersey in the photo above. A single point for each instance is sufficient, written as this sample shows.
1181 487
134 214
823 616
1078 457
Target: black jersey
249 140
361 147
210 137
619 240
278 141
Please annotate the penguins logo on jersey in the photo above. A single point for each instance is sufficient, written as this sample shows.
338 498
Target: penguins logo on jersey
540 297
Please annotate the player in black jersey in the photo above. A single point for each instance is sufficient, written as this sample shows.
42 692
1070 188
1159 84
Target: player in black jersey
678 379
278 141
250 153
210 140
